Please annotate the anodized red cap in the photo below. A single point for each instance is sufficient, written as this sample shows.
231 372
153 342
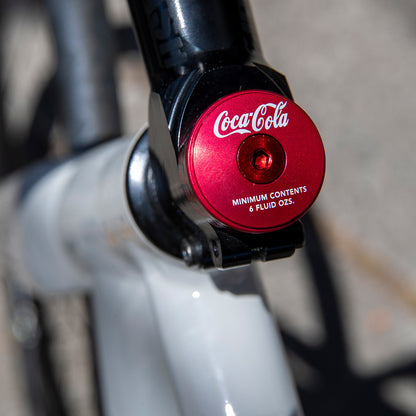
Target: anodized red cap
254 162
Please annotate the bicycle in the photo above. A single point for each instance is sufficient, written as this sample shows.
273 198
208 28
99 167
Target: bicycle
195 250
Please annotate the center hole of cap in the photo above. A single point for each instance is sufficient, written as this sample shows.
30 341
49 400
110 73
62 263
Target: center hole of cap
261 158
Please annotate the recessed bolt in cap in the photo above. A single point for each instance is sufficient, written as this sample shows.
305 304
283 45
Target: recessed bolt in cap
261 158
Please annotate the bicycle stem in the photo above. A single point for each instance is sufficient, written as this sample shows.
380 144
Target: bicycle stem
180 36
206 68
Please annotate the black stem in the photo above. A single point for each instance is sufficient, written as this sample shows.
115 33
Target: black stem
179 36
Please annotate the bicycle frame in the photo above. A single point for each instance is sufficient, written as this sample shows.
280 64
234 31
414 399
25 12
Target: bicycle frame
170 340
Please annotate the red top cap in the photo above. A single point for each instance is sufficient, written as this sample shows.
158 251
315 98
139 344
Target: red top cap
255 161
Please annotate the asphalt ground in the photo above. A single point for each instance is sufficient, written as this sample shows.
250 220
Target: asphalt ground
351 66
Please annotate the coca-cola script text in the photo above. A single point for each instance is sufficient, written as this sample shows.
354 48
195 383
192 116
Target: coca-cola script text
264 117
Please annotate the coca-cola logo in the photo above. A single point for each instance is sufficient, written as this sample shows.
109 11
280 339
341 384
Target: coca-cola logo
264 117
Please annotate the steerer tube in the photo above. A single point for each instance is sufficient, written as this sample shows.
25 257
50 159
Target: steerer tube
177 36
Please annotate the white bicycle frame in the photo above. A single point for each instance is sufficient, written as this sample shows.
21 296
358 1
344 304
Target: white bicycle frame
169 341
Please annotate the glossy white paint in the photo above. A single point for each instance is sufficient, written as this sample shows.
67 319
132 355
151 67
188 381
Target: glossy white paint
169 342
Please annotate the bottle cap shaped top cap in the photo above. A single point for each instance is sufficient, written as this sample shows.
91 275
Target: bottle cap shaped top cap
254 162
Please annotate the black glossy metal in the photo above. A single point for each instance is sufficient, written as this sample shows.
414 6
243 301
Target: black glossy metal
178 36
155 212
164 223
85 50
196 52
